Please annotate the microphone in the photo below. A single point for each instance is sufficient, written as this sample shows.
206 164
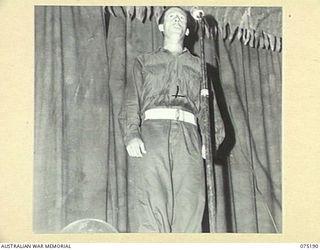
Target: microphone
196 13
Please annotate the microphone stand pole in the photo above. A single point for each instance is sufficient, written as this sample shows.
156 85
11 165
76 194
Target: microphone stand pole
207 133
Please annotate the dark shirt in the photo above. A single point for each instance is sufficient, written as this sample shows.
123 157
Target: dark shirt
160 79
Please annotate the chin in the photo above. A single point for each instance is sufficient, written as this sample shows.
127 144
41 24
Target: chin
176 34
176 31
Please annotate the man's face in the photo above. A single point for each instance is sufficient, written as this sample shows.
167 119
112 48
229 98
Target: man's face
175 22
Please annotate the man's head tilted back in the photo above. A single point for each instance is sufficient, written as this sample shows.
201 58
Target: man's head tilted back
174 22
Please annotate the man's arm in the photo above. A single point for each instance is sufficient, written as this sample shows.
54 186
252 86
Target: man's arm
129 116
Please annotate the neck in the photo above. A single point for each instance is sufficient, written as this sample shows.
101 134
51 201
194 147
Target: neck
173 45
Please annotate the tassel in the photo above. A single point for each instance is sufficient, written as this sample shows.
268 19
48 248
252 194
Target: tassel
272 42
207 31
252 38
261 41
225 30
148 12
246 37
278 44
130 11
232 31
141 13
158 12
266 41
239 35
111 11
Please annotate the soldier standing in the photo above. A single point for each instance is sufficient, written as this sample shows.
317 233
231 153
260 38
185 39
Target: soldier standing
160 120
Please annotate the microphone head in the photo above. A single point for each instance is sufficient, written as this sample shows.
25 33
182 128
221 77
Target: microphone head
196 13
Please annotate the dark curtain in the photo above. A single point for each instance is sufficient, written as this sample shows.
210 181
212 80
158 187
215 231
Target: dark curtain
251 85
72 113
83 62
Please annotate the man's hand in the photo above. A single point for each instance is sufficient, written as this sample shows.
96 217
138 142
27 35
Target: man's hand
136 148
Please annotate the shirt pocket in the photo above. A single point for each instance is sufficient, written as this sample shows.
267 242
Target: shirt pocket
193 83
155 77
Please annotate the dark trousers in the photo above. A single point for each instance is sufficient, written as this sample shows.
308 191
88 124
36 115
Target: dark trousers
169 179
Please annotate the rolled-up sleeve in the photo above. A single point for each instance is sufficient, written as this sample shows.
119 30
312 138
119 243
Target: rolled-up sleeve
129 116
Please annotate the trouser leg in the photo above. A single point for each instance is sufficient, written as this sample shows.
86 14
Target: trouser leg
153 185
188 180
169 179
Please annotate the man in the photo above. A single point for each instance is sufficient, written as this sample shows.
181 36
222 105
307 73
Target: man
160 127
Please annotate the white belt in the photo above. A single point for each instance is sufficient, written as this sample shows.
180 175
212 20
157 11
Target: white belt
170 114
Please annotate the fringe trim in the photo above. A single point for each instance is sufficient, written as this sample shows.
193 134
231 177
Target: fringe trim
243 31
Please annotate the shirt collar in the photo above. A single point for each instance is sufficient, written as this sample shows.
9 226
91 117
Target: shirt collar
165 50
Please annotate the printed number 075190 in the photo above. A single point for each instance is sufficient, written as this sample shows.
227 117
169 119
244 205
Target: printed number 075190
312 245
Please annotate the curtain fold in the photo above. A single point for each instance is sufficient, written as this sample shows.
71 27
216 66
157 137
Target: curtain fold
72 116
252 84
83 61
117 210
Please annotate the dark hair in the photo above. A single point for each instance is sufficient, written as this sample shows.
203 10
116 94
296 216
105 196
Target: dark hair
161 19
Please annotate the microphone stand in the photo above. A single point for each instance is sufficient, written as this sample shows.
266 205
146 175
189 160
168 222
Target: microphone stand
205 105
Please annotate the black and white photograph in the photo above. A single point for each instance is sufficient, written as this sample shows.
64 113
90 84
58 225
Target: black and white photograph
157 119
